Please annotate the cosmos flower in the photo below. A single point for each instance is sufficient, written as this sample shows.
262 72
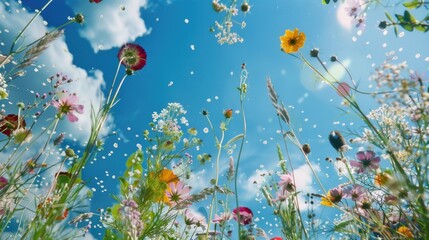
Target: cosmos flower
246 215
292 41
10 123
332 197
177 192
356 193
353 8
193 219
132 56
286 182
366 160
224 217
68 105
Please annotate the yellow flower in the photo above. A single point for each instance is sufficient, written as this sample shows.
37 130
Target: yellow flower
292 41
405 232
167 176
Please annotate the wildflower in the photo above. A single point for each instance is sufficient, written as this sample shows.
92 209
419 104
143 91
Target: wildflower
11 123
68 105
223 218
3 182
360 22
382 178
366 160
314 52
405 232
343 89
353 8
286 182
337 141
95 1
131 214
132 56
167 176
292 41
356 193
22 135
218 7
245 213
193 219
177 192
334 196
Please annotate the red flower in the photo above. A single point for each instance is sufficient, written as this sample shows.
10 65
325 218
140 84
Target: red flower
96 1
10 123
132 56
276 238
246 215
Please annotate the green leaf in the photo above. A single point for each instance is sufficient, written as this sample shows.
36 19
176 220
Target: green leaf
413 4
115 211
342 225
400 17
389 17
234 139
407 26
324 2
420 28
408 17
135 159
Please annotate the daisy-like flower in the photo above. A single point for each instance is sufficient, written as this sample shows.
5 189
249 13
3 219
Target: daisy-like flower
193 219
246 215
292 41
68 105
334 196
365 160
167 176
132 56
356 193
223 218
177 192
353 8
10 123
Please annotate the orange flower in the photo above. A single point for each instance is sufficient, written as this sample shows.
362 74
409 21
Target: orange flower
381 178
405 232
292 41
167 176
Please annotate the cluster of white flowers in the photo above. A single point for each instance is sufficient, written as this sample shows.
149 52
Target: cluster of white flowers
169 119
224 30
3 86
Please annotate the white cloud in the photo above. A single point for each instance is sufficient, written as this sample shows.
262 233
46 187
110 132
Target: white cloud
107 25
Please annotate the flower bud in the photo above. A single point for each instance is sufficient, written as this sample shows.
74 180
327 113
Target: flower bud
314 52
70 153
334 58
228 113
245 7
306 148
79 18
382 25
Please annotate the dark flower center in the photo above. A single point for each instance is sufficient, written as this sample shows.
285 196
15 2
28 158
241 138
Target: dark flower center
292 41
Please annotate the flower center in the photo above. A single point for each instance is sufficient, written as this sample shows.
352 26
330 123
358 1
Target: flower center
292 41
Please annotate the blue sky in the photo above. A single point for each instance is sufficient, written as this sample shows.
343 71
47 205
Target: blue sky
185 64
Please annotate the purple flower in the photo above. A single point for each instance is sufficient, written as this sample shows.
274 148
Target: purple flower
356 193
68 105
246 215
365 160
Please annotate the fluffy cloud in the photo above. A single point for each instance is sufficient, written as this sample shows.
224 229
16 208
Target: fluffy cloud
111 23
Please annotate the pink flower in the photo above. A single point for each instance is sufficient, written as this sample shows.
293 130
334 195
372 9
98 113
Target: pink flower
356 193
366 160
245 213
353 8
95 1
343 89
286 182
177 192
68 105
224 217
193 219
132 56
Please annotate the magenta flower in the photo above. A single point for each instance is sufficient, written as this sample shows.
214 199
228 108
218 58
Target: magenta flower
68 106
245 214
356 193
366 160
3 182
132 56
